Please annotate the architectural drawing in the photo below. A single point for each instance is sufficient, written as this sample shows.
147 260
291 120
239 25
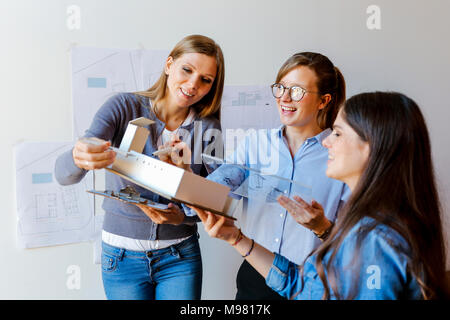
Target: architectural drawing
49 214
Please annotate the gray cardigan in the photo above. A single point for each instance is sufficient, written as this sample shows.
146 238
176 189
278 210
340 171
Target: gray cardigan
110 123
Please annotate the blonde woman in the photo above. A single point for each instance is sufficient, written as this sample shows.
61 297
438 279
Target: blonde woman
147 255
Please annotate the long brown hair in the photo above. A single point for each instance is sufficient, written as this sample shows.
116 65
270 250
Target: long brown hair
330 80
397 189
210 104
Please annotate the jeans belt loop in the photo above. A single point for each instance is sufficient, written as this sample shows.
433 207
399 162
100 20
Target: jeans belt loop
121 254
174 251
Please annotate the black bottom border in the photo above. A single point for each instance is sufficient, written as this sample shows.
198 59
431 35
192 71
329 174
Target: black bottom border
226 309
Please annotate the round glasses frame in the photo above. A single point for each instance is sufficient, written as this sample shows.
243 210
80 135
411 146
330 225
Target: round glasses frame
278 91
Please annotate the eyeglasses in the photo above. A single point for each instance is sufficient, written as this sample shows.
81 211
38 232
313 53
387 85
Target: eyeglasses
296 93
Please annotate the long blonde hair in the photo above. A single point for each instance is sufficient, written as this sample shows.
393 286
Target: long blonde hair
210 104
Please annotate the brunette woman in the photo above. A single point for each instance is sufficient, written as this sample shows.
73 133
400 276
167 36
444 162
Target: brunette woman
388 241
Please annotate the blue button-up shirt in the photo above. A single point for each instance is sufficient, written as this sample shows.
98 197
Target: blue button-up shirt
381 271
264 220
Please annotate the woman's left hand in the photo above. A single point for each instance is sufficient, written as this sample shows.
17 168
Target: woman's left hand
310 216
173 215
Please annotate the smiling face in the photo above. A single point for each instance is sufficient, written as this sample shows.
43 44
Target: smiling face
304 112
347 153
190 78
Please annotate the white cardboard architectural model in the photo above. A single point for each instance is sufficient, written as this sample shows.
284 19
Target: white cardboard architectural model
165 179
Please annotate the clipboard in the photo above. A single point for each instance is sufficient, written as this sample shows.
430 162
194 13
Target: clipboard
230 203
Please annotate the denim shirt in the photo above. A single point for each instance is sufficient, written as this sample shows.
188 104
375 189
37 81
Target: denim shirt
381 271
267 222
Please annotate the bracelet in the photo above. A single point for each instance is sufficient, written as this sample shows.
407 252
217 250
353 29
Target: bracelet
239 238
326 233
249 251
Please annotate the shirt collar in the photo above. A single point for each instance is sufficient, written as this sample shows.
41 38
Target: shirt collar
322 136
317 138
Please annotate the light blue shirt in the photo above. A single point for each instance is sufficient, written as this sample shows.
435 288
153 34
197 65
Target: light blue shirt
267 222
380 273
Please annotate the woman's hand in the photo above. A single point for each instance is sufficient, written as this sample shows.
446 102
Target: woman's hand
91 156
173 215
218 226
222 228
310 216
180 155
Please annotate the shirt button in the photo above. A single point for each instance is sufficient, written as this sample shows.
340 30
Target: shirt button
281 215
276 239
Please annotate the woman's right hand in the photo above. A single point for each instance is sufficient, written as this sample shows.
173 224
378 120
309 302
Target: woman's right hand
180 154
90 156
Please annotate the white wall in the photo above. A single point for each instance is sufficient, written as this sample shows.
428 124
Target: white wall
409 54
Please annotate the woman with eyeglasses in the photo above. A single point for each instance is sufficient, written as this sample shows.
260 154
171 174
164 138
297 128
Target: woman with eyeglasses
308 92
388 242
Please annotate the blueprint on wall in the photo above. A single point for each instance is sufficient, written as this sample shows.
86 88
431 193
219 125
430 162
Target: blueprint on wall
244 108
48 213
99 73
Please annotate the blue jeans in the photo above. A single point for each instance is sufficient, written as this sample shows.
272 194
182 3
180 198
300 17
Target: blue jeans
173 273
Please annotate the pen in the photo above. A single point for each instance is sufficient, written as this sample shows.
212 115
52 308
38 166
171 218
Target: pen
121 152
166 152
